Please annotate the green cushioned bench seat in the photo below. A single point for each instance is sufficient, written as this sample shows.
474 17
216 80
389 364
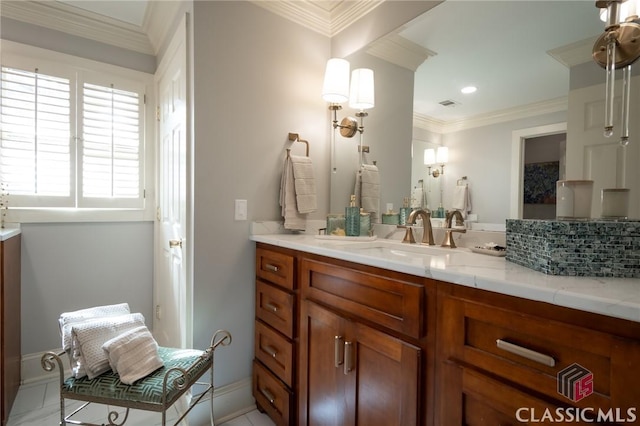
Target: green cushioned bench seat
146 393
182 368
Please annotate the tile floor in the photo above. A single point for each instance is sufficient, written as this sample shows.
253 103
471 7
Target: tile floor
38 405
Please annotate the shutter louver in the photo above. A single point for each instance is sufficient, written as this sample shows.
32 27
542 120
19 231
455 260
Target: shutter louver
35 134
110 143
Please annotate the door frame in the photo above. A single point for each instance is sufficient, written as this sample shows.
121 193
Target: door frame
518 138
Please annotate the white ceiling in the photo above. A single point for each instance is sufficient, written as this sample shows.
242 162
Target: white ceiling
130 11
499 46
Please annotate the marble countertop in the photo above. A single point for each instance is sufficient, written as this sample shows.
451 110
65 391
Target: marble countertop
615 297
10 230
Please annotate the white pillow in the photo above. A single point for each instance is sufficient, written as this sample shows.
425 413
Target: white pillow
133 354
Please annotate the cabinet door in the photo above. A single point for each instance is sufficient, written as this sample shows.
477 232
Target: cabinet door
382 378
352 374
322 381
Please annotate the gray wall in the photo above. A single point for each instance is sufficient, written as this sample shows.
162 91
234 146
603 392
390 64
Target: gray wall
257 77
69 266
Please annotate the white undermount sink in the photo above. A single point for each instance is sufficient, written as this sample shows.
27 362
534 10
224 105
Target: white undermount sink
396 250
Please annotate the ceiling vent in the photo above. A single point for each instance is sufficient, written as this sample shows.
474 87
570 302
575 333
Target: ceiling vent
448 103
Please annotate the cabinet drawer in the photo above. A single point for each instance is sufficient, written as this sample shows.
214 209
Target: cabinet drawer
275 351
390 302
275 267
275 307
533 352
272 395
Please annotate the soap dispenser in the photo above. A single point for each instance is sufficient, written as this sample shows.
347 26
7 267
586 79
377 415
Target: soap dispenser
405 211
352 218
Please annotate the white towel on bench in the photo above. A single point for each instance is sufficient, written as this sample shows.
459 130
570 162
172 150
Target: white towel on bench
67 319
133 354
89 336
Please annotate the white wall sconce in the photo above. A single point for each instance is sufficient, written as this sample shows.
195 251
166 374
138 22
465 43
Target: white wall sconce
337 89
618 48
432 157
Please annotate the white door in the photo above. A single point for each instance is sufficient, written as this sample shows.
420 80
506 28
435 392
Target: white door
592 156
172 284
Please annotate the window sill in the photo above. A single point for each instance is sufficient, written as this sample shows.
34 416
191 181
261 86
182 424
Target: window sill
77 215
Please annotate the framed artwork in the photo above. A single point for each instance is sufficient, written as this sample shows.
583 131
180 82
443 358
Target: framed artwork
540 182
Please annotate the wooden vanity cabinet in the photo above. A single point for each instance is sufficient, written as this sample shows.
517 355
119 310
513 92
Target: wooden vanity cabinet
274 366
10 342
499 360
361 332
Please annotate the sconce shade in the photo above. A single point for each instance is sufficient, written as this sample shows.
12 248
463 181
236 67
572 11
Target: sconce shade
442 156
362 93
429 156
336 81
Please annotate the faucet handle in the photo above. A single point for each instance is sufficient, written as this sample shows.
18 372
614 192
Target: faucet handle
408 235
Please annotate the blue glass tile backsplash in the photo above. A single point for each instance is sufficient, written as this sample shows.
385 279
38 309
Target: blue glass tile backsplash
590 248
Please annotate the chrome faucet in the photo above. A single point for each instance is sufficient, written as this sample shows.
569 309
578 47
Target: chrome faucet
448 237
427 234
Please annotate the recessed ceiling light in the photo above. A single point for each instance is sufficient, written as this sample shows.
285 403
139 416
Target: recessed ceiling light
468 89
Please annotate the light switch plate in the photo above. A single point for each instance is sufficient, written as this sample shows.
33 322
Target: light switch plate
241 210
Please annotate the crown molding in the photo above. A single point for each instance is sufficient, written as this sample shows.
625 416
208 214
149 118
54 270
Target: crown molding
525 111
400 51
327 21
61 17
575 53
156 17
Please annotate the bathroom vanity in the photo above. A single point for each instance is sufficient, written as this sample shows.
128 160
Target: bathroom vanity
384 333
10 355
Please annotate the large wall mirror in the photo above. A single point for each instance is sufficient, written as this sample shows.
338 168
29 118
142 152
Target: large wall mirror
523 57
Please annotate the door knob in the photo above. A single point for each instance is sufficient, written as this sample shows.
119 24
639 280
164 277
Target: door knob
175 243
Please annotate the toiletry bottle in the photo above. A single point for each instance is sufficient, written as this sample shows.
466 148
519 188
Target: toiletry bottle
405 211
365 223
352 218
441 213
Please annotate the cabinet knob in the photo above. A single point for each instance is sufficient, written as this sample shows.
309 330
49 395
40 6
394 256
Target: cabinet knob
272 307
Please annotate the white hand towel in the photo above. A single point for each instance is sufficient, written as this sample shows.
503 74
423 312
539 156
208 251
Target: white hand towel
304 184
89 336
133 354
293 220
67 319
367 190
462 199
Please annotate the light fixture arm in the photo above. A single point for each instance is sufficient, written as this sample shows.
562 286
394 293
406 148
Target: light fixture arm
349 125
617 48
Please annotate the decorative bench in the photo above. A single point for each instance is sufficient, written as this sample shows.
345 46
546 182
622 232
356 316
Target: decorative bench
156 392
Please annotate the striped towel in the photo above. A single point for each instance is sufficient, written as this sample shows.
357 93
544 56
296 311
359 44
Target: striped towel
133 354
89 336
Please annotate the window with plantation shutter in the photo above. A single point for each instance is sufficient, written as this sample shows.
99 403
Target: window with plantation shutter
110 144
71 139
35 119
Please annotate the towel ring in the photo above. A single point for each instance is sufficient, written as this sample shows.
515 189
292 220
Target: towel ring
294 137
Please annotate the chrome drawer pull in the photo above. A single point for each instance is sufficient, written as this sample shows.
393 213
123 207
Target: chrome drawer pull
267 394
338 356
271 268
348 357
272 306
270 350
526 353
